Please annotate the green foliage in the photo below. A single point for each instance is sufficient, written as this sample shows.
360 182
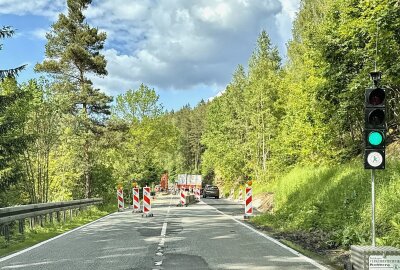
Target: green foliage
190 124
41 124
135 105
337 200
13 141
241 125
147 139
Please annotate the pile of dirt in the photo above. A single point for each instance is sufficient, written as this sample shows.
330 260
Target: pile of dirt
264 202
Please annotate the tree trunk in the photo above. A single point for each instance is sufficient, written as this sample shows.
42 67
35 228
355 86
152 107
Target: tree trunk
86 161
87 169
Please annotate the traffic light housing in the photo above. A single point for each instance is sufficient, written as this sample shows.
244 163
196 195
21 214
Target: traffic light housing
375 125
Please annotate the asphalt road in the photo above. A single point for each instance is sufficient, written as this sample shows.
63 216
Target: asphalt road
206 235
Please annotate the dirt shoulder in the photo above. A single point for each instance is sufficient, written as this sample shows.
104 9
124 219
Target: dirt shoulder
316 244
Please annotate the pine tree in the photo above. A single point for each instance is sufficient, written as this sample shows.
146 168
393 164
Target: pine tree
73 52
7 31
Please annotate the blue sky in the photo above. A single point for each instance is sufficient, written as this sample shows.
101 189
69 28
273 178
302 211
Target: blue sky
187 50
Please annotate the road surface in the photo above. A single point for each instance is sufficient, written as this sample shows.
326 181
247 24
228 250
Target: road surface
207 235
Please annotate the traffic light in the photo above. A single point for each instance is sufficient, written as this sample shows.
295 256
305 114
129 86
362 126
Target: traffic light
375 126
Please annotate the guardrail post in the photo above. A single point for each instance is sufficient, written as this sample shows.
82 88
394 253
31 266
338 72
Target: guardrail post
58 216
51 217
70 213
7 232
21 225
65 216
41 221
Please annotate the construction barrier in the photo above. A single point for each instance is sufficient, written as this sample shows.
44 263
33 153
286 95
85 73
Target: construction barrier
120 196
136 202
231 195
240 195
147 202
183 197
197 194
248 210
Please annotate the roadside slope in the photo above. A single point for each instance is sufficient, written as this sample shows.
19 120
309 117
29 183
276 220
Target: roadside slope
328 207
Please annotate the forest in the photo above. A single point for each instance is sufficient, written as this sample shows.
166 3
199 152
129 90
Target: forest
62 138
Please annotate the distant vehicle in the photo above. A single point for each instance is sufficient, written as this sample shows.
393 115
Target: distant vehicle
211 191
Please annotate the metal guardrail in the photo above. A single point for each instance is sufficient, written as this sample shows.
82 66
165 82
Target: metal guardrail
9 214
33 211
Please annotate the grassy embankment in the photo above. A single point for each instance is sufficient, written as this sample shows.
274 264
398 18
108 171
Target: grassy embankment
38 234
329 207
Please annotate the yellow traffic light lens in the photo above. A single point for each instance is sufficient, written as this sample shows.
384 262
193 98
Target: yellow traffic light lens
376 117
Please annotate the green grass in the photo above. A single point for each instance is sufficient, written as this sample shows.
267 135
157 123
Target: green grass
38 234
335 201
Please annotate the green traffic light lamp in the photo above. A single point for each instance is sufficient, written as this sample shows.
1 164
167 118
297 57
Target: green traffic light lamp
375 138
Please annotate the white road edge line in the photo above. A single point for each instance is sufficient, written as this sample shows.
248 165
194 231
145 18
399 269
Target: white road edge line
274 241
51 239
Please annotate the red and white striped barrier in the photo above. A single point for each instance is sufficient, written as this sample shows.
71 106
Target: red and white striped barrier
231 195
197 194
240 195
147 202
120 196
248 209
182 197
136 202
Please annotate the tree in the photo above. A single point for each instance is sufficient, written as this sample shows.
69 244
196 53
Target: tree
12 139
262 106
136 105
73 52
42 125
7 31
225 133
145 149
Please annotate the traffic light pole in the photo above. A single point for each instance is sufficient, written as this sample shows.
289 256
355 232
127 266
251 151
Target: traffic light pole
373 206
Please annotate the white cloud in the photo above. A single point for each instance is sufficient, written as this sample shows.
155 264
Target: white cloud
286 17
180 44
48 8
40 33
220 93
173 44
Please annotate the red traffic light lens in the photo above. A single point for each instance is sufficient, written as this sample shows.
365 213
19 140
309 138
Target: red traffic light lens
376 97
